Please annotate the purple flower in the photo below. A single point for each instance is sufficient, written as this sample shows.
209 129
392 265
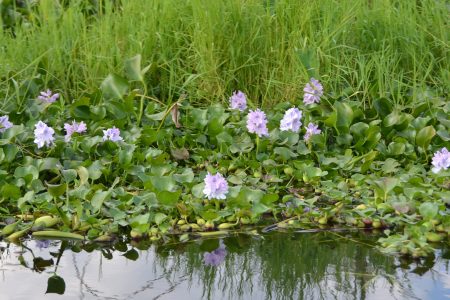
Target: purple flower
42 243
112 134
291 120
72 128
48 96
5 123
313 91
43 135
311 130
238 101
257 122
441 160
215 186
215 257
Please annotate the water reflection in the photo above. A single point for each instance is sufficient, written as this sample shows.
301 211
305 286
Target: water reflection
272 266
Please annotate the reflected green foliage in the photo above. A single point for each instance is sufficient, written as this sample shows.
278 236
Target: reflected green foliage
275 266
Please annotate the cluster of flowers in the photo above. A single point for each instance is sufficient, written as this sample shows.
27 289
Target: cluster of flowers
44 134
216 186
257 121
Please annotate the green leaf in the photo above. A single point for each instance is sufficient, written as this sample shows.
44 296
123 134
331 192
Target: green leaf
186 177
114 86
285 153
424 136
98 199
27 172
126 155
83 173
159 218
259 208
95 170
69 175
383 106
163 183
428 210
344 115
169 198
215 126
10 191
133 68
28 197
56 190
56 285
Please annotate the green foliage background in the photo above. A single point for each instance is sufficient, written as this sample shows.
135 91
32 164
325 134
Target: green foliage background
207 49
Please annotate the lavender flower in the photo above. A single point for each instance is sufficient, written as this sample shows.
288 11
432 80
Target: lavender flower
257 122
48 96
215 257
72 128
313 91
441 160
5 123
238 101
43 135
311 129
291 120
112 134
215 186
42 243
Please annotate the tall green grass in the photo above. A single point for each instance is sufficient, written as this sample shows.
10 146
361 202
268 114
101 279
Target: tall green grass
268 49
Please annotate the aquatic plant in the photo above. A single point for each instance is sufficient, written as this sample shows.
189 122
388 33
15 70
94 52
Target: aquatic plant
43 135
291 120
257 123
238 101
216 187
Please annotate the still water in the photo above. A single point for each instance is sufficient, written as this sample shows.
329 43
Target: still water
243 266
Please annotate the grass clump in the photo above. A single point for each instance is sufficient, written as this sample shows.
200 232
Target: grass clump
368 49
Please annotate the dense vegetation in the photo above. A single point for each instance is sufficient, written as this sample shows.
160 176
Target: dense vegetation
166 119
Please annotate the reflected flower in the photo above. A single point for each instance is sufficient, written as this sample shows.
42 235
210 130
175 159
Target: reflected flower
311 129
257 123
441 160
42 243
215 186
291 120
215 257
48 96
238 101
5 123
313 91
112 134
43 135
72 128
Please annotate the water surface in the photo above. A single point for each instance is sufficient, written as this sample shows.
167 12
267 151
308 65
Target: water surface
244 266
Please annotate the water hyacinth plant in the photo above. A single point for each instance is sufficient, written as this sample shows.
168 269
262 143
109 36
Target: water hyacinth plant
48 96
291 120
5 123
238 101
257 123
365 168
313 91
441 160
311 130
112 134
43 135
216 186
74 128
